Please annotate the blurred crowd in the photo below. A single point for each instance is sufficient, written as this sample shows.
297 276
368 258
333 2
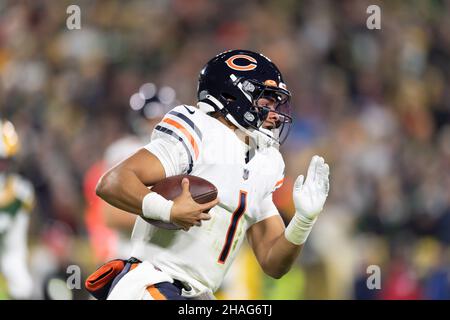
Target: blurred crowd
374 103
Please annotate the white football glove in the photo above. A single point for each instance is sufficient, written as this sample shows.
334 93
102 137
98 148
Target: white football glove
309 198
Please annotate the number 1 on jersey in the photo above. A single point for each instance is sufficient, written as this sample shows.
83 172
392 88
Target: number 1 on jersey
237 214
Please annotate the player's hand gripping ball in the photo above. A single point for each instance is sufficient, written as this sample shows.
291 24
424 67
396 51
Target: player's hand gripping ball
202 191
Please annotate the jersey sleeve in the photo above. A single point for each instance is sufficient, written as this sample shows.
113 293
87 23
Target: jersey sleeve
176 141
267 209
279 176
279 182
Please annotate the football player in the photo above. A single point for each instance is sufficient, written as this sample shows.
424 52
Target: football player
231 139
16 203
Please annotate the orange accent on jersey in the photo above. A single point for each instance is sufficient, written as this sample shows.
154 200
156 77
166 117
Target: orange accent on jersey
232 65
279 183
155 293
185 132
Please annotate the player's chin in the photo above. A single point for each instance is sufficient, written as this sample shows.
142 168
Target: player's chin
268 125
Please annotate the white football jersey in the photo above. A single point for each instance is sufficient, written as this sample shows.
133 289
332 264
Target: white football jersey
188 141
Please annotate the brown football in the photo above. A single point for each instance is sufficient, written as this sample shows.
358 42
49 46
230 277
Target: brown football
202 191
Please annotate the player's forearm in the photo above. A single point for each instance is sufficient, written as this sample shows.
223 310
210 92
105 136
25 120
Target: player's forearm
280 257
122 189
309 199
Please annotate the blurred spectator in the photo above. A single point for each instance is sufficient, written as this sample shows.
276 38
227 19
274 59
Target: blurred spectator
16 206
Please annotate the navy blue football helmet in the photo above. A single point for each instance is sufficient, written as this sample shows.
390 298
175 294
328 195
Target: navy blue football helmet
234 81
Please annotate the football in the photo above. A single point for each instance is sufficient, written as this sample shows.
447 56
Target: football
202 191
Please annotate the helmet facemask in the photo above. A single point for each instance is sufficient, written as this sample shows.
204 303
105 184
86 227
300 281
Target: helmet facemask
256 115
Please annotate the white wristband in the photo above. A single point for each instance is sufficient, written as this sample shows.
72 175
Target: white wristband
298 229
155 206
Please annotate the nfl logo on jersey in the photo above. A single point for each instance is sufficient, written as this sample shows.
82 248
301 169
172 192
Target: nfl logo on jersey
245 175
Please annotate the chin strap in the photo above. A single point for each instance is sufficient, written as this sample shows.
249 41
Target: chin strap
266 139
205 107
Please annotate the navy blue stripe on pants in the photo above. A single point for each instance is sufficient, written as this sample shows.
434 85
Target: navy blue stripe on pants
170 291
167 289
